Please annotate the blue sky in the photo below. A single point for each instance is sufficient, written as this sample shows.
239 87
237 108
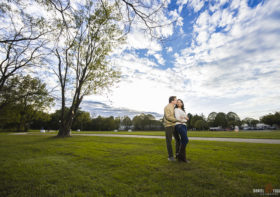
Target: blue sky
220 56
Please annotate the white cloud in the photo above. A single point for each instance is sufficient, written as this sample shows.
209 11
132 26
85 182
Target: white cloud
169 49
138 40
240 64
236 69
232 63
196 5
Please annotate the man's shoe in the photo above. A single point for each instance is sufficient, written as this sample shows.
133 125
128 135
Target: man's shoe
171 159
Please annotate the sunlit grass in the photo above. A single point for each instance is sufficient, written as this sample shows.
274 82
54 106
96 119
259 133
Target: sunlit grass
40 165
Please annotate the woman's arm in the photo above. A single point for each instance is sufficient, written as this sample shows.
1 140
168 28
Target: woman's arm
179 116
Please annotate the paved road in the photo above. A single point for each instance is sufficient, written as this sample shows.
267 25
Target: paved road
262 141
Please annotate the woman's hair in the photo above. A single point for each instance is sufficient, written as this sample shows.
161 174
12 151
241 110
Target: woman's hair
183 107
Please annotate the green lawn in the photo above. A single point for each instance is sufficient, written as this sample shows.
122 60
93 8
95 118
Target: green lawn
227 134
41 165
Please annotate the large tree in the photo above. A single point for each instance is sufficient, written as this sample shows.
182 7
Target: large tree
82 65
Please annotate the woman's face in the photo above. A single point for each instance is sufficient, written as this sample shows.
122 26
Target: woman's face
179 103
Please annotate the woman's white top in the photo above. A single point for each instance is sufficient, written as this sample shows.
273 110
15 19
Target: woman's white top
178 114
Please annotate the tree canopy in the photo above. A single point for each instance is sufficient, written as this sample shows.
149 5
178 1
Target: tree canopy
26 100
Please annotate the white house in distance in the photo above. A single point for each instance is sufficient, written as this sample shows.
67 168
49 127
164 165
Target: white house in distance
123 127
259 126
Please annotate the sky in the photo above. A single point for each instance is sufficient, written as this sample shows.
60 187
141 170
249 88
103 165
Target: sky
220 56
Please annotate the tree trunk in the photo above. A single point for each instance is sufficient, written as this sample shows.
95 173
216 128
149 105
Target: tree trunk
64 131
21 123
65 127
66 124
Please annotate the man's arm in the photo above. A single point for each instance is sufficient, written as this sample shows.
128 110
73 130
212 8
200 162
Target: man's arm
168 115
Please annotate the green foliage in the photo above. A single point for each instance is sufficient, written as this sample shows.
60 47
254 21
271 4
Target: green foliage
83 65
100 36
271 119
251 122
82 120
146 122
194 119
211 119
126 122
221 120
189 126
214 119
41 120
233 120
104 124
23 102
201 125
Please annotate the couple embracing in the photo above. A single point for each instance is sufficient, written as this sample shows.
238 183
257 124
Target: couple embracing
175 119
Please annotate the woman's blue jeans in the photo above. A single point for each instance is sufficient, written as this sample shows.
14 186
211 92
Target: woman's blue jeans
182 130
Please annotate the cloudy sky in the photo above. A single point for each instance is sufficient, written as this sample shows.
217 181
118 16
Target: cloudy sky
220 56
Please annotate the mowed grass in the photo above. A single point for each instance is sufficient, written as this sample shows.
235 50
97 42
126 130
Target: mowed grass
220 134
41 165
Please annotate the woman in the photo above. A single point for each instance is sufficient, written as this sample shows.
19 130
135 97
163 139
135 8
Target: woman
181 128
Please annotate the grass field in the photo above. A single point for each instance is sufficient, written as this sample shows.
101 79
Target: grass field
41 165
227 134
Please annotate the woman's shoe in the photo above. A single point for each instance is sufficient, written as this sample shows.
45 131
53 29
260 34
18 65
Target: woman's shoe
171 159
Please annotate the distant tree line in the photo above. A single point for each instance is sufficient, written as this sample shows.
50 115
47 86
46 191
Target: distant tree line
24 101
147 122
83 121
271 119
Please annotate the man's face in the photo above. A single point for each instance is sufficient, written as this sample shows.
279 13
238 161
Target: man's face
174 101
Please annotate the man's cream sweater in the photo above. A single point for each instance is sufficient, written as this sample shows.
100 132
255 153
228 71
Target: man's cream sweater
169 116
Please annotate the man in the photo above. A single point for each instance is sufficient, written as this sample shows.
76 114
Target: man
169 124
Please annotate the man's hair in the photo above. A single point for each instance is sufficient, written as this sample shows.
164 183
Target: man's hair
171 98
